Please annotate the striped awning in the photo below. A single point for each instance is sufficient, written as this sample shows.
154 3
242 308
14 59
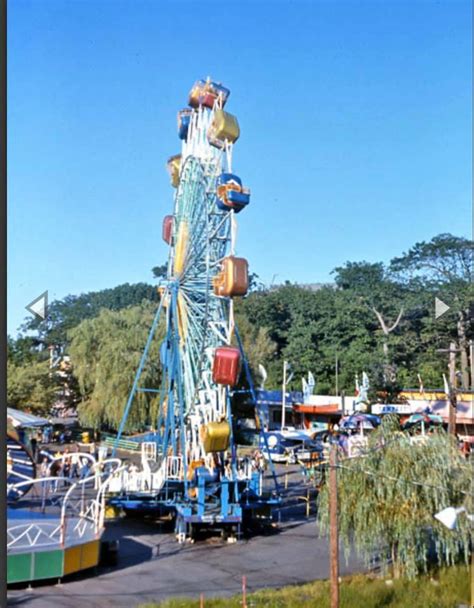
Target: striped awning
19 418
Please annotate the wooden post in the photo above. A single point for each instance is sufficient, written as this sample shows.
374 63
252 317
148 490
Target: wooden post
244 591
201 600
333 528
452 389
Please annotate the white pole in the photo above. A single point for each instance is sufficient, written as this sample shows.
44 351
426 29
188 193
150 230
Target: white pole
471 353
283 397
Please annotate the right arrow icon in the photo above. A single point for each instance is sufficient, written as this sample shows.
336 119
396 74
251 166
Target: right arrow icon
440 308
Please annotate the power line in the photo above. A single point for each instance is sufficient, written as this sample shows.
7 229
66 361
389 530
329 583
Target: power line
383 446
397 479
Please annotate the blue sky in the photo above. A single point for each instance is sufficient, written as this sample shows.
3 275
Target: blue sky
355 132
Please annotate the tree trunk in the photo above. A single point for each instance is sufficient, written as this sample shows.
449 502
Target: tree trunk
389 368
396 568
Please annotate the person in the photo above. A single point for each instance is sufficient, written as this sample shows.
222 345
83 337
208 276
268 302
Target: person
66 466
44 472
44 467
228 469
75 464
34 444
343 442
85 469
55 471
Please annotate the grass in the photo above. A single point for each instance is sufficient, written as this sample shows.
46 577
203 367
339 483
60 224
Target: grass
448 588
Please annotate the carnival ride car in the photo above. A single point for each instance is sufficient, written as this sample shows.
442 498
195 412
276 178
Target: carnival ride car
54 525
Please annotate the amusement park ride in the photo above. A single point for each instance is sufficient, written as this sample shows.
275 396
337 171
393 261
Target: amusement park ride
54 525
190 465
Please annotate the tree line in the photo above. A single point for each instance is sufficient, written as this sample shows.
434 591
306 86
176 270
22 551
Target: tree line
375 317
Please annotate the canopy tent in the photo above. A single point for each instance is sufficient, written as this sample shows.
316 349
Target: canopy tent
359 421
424 418
22 419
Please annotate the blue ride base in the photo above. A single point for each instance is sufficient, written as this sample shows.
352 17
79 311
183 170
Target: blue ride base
218 504
211 500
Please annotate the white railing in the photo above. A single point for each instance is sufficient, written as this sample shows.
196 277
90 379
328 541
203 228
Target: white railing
174 467
80 515
133 480
33 535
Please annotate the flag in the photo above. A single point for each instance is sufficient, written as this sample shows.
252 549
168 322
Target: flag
365 381
305 388
446 386
422 388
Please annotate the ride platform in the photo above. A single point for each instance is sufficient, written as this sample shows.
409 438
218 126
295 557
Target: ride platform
40 546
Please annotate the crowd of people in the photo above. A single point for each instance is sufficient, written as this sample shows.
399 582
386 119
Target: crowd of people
67 465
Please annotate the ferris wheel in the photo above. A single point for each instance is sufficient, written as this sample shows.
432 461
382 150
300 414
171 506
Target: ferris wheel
201 357
204 275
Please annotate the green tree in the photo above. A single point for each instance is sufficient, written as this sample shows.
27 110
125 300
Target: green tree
384 298
443 267
388 498
31 386
67 313
25 349
105 353
257 345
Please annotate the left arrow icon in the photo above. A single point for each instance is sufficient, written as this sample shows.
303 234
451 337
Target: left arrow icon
39 306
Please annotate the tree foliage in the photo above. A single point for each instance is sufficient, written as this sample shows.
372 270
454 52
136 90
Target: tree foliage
376 317
105 352
67 313
387 500
31 386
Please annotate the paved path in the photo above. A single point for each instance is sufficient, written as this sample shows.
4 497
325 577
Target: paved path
153 566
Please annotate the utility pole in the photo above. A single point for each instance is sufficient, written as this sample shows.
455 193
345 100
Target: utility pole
451 396
333 528
337 376
283 395
452 389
